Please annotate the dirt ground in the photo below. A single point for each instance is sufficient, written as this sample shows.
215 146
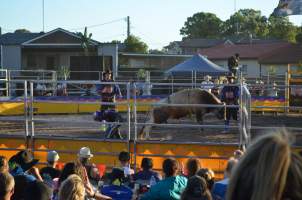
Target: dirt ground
83 126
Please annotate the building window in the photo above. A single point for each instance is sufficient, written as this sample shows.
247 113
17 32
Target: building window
244 69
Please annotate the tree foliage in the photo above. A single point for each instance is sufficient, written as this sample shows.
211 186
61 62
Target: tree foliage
282 28
85 40
22 30
135 45
246 22
243 23
202 25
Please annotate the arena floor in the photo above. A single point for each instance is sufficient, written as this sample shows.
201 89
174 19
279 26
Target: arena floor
83 126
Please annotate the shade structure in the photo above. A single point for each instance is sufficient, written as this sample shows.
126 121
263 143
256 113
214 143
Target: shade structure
198 64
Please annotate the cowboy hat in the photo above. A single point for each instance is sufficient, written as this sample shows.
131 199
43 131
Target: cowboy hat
85 153
24 159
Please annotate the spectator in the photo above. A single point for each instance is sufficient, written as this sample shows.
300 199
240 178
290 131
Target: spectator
208 175
220 187
21 183
72 189
196 189
193 166
124 158
3 164
216 88
23 164
116 189
169 188
68 170
207 84
49 172
146 173
238 154
37 191
269 170
84 156
7 185
93 175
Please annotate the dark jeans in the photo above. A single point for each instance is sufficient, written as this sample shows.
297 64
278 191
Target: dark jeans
231 112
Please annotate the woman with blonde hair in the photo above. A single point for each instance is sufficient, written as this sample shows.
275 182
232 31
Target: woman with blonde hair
268 170
72 189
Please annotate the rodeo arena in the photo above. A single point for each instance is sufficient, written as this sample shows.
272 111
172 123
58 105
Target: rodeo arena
97 127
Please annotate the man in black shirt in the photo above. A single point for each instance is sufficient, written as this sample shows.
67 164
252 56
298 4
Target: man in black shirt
49 172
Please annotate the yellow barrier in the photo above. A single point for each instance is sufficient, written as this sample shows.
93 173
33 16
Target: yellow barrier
106 152
17 108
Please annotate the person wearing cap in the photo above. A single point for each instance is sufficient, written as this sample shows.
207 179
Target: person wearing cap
23 164
50 172
230 95
108 92
207 84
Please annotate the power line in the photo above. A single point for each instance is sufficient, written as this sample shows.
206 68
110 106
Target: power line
96 25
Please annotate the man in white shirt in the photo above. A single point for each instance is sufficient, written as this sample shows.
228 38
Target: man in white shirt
207 84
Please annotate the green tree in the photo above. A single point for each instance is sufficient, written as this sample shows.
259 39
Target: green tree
246 22
202 25
299 35
85 40
22 30
135 45
156 51
282 28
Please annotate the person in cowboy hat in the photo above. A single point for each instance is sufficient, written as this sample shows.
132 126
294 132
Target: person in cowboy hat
230 95
84 156
207 84
22 164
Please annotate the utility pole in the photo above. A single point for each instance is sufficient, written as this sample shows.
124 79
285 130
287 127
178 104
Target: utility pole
128 26
235 10
43 14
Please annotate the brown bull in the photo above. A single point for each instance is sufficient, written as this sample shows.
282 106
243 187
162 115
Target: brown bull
161 114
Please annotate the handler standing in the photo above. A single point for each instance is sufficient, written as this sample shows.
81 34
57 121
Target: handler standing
108 92
230 95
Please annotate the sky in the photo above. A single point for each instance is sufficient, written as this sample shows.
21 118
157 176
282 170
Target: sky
156 22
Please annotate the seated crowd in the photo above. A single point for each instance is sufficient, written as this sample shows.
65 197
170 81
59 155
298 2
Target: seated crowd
269 169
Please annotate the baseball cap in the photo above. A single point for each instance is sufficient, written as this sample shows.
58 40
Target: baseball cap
52 156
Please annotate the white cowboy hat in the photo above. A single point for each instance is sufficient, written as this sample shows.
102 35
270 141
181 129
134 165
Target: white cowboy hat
207 77
85 153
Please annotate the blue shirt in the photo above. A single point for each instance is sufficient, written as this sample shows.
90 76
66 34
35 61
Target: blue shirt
220 189
18 171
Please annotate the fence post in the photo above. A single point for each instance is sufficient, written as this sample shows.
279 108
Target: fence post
135 126
128 115
26 115
32 114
